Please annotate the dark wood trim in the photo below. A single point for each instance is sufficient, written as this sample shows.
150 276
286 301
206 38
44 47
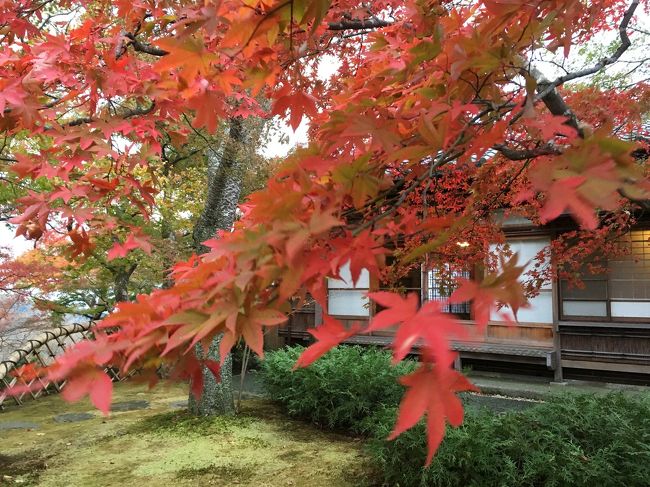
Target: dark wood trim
606 366
609 320
558 375
616 347
526 232
604 325
351 317
499 352
632 320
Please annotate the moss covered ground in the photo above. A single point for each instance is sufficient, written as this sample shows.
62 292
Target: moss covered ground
163 445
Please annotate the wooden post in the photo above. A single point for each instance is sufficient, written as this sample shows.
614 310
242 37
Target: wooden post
458 363
318 314
290 323
557 348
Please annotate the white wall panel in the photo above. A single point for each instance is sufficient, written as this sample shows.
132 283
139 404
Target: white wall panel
630 309
348 303
584 308
541 306
349 299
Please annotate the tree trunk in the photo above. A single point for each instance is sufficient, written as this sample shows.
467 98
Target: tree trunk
224 189
121 278
217 398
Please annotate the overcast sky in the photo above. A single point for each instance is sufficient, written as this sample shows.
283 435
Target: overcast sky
17 245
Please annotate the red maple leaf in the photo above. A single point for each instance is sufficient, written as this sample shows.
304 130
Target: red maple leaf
189 55
328 335
93 382
190 367
12 94
83 366
252 330
299 104
501 287
426 326
432 391
482 300
563 195
132 242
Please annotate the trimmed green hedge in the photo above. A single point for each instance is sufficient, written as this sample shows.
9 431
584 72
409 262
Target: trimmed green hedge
571 440
339 390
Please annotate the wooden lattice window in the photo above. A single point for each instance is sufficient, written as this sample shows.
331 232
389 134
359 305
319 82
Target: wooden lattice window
622 294
441 283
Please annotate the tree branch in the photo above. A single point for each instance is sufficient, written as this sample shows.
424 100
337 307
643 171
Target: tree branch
625 44
349 24
547 90
346 24
524 154
127 114
553 100
143 46
643 203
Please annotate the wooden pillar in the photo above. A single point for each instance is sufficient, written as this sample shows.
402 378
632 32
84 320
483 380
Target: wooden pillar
318 314
290 323
557 348
458 363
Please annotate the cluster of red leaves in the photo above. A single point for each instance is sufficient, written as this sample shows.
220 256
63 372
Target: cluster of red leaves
132 242
423 93
18 275
591 175
499 288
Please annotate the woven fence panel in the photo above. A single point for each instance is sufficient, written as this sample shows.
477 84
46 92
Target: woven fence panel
42 350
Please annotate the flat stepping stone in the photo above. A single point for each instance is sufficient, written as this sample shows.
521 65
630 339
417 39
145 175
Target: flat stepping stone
498 404
179 405
17 425
120 407
73 417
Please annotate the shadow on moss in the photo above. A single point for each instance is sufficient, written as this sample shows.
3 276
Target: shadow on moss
227 473
182 423
23 469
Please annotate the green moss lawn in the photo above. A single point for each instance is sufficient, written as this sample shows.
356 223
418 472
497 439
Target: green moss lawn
163 445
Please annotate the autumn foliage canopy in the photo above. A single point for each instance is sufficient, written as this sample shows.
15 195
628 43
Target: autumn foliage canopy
437 116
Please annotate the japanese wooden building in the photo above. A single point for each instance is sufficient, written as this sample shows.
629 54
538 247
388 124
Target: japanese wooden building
599 332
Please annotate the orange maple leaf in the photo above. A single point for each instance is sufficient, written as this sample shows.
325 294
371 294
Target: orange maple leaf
189 55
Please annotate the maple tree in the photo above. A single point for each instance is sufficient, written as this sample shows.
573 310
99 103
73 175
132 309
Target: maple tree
437 117
18 321
134 256
18 279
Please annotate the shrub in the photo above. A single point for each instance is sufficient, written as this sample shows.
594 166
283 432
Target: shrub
569 441
339 390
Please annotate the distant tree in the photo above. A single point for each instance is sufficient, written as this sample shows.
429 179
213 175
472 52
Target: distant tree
19 318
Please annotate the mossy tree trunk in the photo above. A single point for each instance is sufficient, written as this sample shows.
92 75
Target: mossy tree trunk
225 176
121 277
